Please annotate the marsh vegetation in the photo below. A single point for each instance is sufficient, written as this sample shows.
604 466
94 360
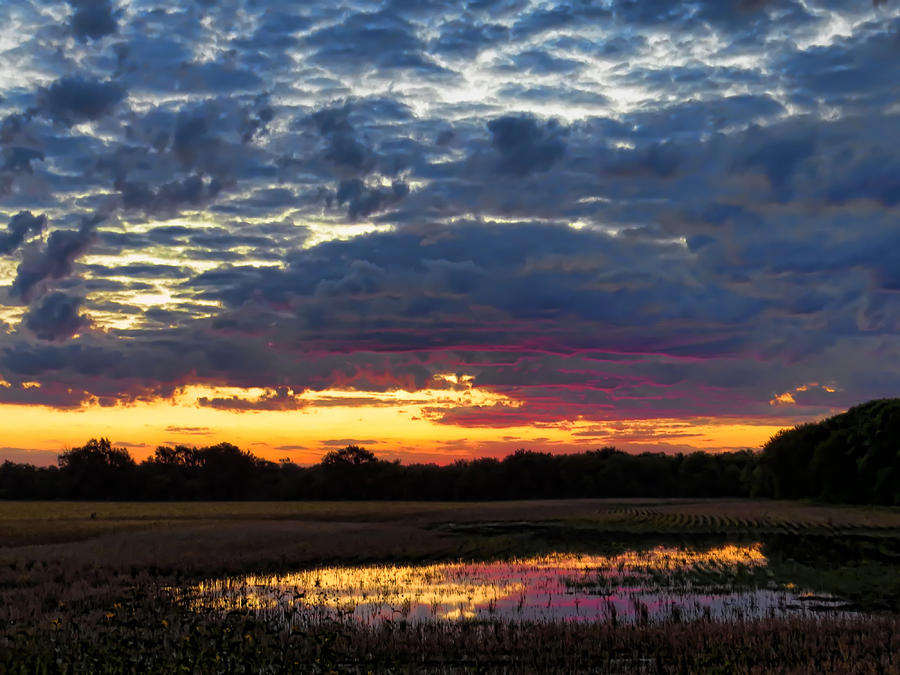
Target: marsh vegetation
202 587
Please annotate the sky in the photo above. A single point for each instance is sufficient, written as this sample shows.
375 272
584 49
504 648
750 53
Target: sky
444 230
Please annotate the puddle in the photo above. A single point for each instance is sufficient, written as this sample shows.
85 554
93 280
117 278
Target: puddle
723 583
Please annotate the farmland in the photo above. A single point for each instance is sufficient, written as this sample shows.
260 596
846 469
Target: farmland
54 521
78 580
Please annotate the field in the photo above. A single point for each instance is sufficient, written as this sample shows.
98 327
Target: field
50 522
88 586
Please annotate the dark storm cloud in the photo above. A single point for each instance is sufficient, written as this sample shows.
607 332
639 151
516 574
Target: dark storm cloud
169 198
17 158
344 151
465 39
92 19
363 200
779 160
56 317
54 260
189 159
548 18
525 145
367 176
18 149
874 174
855 71
19 228
75 99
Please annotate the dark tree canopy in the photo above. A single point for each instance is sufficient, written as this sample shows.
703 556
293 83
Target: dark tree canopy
95 454
97 470
352 455
853 457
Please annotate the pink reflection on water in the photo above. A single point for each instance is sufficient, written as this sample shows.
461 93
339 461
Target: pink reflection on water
659 584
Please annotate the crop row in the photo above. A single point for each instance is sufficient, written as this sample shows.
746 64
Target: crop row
686 518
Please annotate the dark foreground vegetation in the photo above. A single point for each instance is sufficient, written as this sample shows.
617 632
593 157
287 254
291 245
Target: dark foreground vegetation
139 637
90 587
851 458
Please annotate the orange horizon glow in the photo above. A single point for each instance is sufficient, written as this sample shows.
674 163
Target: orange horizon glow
394 424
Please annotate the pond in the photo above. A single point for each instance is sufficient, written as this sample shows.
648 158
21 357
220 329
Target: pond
662 583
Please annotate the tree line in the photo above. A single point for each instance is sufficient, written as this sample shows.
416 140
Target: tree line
854 457
223 471
851 458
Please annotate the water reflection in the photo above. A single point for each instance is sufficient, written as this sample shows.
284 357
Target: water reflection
663 583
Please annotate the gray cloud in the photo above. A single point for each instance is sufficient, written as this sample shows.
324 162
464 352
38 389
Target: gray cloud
524 145
56 317
53 261
92 19
75 99
19 227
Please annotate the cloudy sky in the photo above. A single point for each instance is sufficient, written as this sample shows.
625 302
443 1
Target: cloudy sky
444 229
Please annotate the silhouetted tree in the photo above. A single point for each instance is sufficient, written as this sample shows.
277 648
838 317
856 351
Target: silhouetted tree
226 472
852 457
172 473
351 455
97 470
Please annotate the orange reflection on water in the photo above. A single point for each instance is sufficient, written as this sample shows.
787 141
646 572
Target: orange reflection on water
634 584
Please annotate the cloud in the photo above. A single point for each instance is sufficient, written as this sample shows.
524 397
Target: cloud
55 260
341 442
19 227
194 431
539 62
779 160
465 38
93 19
554 94
169 198
380 40
73 99
279 398
344 151
524 145
19 159
56 317
713 209
553 18
363 200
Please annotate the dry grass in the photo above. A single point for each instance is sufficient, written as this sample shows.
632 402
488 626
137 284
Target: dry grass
23 523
